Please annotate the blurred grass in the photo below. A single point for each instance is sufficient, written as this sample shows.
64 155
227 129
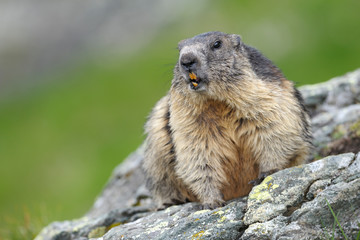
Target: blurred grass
59 143
62 142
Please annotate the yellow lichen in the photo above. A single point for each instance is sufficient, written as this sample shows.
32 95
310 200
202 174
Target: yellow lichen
222 219
201 211
82 223
198 236
157 227
220 212
262 191
97 232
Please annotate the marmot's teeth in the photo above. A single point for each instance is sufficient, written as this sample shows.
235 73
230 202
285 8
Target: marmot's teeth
194 84
192 76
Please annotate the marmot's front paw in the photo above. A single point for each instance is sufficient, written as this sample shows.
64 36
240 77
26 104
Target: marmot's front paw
170 203
262 176
211 205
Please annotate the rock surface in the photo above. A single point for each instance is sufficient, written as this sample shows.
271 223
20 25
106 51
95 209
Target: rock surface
294 203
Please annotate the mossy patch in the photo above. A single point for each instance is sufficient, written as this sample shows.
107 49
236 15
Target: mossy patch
100 231
113 225
346 138
97 232
350 142
338 132
355 128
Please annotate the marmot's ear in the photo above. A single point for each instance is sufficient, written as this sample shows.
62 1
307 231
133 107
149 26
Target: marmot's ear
236 40
180 44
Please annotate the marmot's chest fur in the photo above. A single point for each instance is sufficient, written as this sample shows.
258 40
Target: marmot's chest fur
230 117
217 136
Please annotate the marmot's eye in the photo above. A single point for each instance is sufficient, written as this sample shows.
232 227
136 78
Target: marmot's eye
217 44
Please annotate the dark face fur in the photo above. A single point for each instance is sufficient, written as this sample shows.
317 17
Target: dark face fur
208 63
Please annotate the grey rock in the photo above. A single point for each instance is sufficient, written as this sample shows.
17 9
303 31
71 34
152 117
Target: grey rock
333 92
312 219
332 103
182 222
316 213
290 204
289 187
122 190
348 114
324 123
264 231
90 227
317 187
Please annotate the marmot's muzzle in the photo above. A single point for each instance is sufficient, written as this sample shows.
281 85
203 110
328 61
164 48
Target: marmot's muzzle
189 62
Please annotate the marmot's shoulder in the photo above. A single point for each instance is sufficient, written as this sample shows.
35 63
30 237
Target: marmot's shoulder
262 66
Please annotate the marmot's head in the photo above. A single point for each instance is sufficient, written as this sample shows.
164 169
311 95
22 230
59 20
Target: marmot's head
210 63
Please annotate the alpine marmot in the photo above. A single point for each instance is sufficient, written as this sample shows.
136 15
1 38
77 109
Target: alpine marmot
230 117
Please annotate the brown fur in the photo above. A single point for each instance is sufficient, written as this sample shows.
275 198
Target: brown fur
206 144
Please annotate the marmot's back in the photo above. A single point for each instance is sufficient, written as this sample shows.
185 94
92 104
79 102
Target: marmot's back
230 117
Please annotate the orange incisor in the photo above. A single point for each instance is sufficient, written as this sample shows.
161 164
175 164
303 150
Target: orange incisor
193 77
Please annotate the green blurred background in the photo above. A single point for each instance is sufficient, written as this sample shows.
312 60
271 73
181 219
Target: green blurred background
69 117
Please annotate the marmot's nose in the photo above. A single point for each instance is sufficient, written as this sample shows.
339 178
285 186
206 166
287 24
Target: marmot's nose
188 62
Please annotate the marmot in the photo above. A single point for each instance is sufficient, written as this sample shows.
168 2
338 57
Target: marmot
230 117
